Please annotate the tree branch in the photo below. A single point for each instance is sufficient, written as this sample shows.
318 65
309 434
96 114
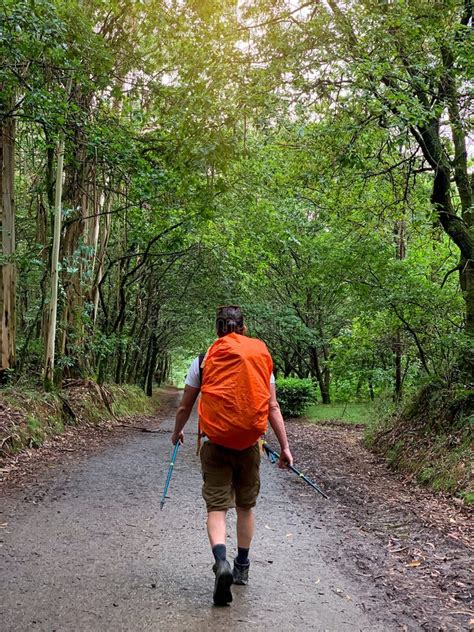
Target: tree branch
457 268
280 18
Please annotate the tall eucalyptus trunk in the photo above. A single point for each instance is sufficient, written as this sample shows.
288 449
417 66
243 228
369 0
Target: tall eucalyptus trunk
8 276
53 302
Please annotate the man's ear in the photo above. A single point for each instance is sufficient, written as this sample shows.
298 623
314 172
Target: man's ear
244 330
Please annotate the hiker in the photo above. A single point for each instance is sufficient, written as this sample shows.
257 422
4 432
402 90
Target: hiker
238 398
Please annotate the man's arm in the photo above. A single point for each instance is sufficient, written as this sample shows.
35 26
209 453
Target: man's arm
184 411
278 426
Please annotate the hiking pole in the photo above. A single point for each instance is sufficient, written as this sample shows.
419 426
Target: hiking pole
170 472
274 456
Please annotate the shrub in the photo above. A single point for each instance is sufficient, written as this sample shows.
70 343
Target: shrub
294 395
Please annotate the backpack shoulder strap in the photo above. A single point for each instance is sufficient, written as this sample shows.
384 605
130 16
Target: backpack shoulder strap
199 435
201 359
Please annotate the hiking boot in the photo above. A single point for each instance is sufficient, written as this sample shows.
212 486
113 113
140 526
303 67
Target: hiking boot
224 580
241 573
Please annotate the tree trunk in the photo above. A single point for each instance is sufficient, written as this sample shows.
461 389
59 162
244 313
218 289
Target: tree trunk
467 284
397 352
318 374
53 303
463 234
143 380
400 253
371 389
8 276
326 373
151 366
130 350
102 366
119 367
78 172
102 249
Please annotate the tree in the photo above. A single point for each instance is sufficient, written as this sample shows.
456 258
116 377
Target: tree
272 155
404 67
7 202
53 301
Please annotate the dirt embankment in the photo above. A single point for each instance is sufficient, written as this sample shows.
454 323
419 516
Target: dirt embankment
430 437
413 547
36 426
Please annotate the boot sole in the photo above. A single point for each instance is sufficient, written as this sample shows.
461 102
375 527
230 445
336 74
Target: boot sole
222 593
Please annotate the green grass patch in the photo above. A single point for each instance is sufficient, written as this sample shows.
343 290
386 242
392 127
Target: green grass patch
468 497
128 400
356 413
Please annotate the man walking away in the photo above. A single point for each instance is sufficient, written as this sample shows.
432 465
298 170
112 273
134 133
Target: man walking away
238 397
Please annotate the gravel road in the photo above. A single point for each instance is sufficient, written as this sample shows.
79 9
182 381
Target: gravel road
86 548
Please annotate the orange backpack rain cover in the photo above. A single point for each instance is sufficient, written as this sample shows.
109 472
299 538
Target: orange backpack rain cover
235 392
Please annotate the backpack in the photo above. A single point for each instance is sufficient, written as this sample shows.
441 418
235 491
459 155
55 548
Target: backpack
235 391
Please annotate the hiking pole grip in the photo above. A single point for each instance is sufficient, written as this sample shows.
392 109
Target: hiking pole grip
170 472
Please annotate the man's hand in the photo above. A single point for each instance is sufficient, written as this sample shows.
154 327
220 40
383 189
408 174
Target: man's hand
175 437
285 458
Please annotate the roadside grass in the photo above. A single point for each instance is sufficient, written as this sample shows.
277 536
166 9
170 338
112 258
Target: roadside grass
30 416
350 413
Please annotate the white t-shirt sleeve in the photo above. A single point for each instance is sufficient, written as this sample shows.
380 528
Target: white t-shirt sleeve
272 379
193 378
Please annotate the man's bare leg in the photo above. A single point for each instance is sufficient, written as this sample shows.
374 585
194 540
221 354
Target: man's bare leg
216 527
245 527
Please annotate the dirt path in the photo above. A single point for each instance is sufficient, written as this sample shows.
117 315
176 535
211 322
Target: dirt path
85 548
410 548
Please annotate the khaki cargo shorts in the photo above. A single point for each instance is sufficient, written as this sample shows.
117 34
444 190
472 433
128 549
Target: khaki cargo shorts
230 477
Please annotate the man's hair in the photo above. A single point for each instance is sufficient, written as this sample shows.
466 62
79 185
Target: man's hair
229 319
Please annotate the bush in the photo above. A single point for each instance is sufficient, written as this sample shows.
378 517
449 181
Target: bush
294 395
